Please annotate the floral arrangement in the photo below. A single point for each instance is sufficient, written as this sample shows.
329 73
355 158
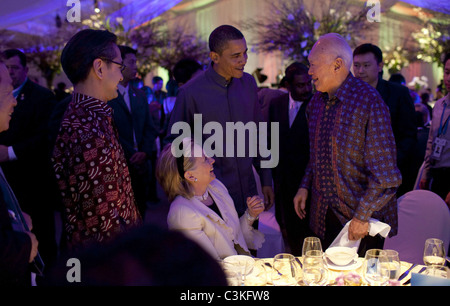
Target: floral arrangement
396 58
433 39
292 29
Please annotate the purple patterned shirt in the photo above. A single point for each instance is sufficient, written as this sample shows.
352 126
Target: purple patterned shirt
352 168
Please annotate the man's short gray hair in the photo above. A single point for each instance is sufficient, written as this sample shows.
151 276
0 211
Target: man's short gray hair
336 46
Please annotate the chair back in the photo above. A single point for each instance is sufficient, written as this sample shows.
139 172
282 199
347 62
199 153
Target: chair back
422 214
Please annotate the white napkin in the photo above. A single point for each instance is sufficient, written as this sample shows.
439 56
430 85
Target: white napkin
375 227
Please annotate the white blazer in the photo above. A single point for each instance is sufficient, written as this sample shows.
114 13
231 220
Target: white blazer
216 235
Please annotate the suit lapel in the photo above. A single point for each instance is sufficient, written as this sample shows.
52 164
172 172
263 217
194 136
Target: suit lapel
122 103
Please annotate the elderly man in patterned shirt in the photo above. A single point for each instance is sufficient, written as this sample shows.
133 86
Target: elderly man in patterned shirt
352 172
89 163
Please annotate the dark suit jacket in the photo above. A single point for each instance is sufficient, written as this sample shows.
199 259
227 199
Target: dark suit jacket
139 120
15 249
294 146
27 134
401 109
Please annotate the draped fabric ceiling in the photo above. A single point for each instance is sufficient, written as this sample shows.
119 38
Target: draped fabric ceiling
37 16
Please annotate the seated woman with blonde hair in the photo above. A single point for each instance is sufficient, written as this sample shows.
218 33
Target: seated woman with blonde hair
201 206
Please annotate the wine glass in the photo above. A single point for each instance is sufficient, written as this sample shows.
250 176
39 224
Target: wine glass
314 270
373 272
285 270
438 271
434 252
392 266
311 244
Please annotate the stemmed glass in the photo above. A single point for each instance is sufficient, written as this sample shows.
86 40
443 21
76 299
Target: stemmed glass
392 266
285 270
314 270
311 244
374 274
434 252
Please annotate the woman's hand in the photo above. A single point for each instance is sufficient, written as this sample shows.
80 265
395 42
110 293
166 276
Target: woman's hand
255 206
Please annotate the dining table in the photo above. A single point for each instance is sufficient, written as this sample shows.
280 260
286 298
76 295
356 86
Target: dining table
259 274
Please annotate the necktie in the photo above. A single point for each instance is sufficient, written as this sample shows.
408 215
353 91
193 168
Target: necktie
293 112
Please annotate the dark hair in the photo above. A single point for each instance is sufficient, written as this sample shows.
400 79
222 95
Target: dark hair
124 50
397 78
294 69
82 49
184 70
15 52
156 79
446 58
221 36
369 48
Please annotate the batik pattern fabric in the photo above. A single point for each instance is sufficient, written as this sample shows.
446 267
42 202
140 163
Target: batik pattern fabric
352 168
92 174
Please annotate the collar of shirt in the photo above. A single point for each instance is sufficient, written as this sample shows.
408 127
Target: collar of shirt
92 104
217 78
342 92
293 103
18 89
123 90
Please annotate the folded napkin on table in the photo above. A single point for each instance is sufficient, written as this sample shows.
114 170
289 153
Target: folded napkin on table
375 227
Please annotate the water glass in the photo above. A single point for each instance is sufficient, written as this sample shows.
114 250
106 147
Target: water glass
311 244
285 270
374 274
434 252
392 266
314 269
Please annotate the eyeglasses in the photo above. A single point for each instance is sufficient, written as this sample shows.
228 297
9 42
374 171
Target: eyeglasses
122 66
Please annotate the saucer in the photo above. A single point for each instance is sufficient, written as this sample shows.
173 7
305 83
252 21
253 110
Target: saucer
355 264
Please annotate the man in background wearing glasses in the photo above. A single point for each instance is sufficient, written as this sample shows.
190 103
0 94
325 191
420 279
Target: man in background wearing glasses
89 162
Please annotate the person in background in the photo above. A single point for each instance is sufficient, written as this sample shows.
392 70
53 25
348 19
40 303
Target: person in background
436 173
19 245
352 173
24 152
137 132
368 66
290 111
60 92
201 206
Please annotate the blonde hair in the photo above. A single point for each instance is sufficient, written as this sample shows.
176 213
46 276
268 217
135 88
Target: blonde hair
169 177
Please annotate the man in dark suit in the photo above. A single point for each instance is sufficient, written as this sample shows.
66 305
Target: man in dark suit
24 154
368 66
18 244
137 132
289 110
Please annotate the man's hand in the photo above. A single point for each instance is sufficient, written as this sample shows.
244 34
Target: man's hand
269 196
34 246
358 229
138 158
300 202
423 184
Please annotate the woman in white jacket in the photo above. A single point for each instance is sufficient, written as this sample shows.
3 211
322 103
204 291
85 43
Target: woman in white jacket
201 206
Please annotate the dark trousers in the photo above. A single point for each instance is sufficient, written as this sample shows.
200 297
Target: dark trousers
440 181
333 227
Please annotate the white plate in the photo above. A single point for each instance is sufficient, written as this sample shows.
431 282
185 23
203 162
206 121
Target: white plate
355 264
